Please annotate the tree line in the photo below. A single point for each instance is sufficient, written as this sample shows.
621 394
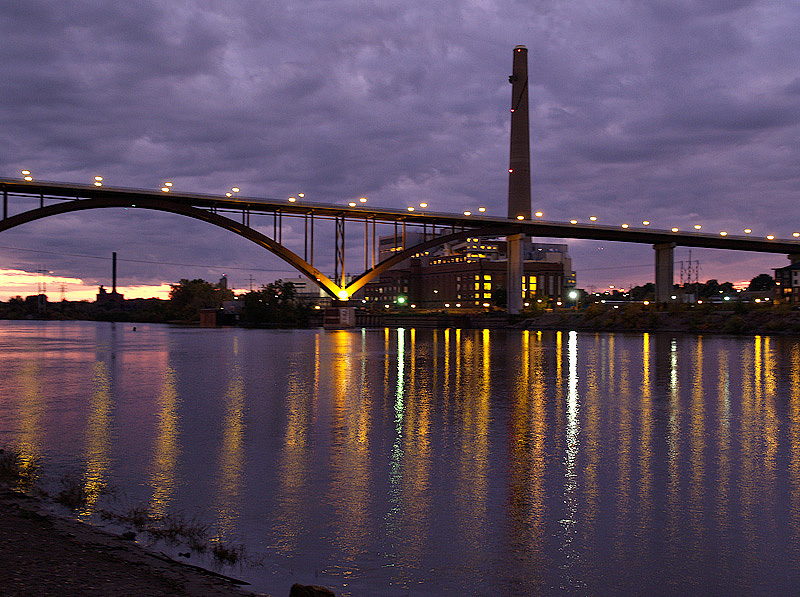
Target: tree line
275 304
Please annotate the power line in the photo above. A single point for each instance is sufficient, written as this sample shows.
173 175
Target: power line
223 267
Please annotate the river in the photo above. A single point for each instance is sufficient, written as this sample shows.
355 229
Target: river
393 462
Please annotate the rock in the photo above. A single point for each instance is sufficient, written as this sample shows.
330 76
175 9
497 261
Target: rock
299 590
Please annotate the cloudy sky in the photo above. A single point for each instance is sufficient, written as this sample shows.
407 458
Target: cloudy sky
675 111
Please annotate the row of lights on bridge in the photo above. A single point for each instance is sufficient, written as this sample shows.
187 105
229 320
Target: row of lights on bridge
167 187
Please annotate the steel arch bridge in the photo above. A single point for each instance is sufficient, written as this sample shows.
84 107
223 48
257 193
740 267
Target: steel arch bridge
437 228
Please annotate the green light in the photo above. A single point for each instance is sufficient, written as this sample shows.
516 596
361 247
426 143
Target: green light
401 300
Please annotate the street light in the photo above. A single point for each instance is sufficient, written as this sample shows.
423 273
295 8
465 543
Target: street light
573 295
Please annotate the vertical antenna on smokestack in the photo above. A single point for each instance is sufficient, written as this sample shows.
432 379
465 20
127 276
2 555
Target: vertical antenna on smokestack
114 272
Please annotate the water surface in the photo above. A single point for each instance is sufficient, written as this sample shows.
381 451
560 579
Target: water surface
433 462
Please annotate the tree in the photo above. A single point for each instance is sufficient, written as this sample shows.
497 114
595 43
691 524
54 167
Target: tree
761 282
187 297
275 304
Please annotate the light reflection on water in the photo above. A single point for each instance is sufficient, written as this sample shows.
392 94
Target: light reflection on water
419 462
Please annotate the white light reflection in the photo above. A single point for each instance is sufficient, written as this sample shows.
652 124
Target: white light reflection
572 447
395 475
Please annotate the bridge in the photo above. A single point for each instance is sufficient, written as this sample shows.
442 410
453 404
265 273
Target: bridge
234 213
27 201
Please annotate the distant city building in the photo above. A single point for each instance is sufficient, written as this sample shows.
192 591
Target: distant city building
787 283
309 292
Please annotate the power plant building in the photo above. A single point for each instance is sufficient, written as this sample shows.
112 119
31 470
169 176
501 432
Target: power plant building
470 274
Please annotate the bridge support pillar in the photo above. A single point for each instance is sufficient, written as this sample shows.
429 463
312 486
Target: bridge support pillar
665 271
794 258
514 273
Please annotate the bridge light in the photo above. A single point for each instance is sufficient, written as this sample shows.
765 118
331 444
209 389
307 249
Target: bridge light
343 295
538 214
423 205
363 199
235 189
795 234
26 176
467 213
292 199
770 237
165 189
646 222
624 225
410 208
301 195
592 218
481 209
723 233
573 221
520 217
674 229
98 181
352 204
697 226
747 231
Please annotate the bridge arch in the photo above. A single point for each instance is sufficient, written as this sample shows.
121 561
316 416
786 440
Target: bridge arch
181 209
175 207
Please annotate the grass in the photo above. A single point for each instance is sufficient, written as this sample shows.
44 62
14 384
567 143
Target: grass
21 472
17 470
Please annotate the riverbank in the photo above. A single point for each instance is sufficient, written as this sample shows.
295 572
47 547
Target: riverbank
44 554
640 318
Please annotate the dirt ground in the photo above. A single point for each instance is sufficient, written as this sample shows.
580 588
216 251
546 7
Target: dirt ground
42 554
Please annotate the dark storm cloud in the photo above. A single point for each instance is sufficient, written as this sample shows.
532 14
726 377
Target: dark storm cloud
675 111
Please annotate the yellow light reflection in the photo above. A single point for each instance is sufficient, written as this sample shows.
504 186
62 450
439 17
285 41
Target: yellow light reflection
98 437
351 419
231 450
166 451
697 436
794 440
30 410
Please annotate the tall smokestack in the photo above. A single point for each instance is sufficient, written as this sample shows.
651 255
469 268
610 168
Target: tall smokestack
114 272
519 167
519 177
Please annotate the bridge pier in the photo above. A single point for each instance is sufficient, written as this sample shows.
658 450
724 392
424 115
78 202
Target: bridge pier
514 273
665 271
